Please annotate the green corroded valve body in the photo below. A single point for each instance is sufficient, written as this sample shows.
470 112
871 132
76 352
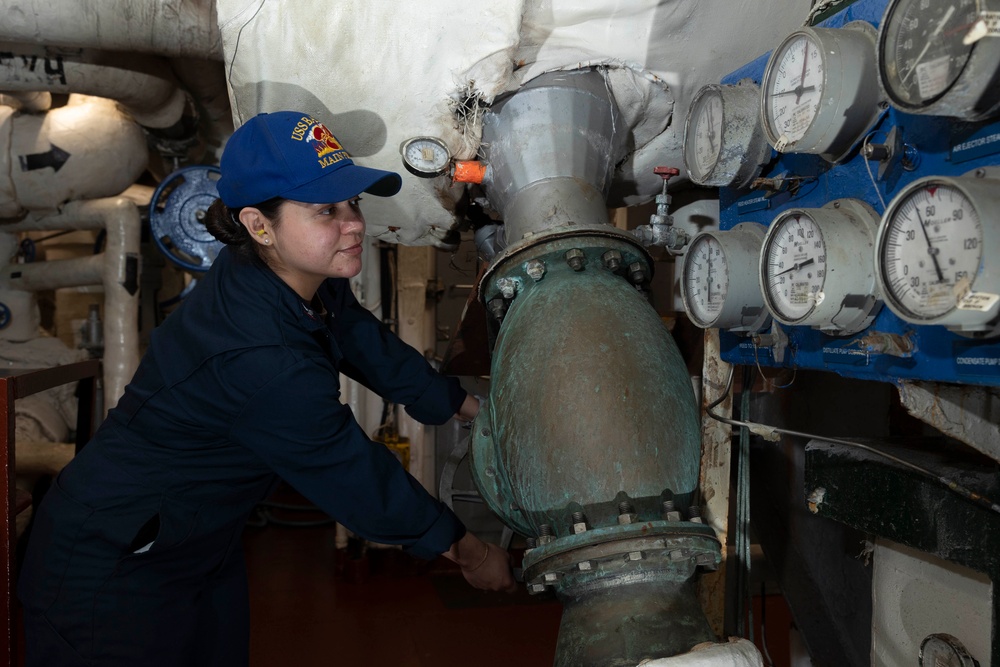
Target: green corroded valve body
590 433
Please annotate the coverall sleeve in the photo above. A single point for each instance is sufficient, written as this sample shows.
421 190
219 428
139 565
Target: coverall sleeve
378 359
297 425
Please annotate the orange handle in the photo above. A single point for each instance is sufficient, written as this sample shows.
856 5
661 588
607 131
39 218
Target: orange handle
469 171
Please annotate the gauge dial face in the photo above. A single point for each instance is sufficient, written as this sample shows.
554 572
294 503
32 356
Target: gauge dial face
706 279
793 89
931 248
426 156
794 269
705 143
921 48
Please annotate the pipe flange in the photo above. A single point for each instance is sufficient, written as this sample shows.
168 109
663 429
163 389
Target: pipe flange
670 549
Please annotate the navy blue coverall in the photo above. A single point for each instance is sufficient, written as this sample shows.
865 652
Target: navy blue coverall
239 385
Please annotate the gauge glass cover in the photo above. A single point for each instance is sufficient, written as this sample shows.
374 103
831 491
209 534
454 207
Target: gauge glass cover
931 250
921 47
705 144
706 279
795 267
794 89
426 156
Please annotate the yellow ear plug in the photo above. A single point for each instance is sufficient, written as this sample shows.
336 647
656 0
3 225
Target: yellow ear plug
261 232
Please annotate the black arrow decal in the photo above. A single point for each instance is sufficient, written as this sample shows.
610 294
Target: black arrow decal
55 157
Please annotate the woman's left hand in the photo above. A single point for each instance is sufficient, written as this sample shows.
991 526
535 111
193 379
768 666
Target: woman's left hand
469 409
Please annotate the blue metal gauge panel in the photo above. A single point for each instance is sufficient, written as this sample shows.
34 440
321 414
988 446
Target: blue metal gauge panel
890 349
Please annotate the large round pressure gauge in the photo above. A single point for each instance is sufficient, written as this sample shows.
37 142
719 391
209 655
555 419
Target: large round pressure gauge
816 269
724 144
719 284
936 249
426 157
820 90
930 61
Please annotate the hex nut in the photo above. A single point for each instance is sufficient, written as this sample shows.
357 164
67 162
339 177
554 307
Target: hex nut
579 528
535 589
674 516
584 566
627 518
612 260
576 259
676 554
545 539
637 273
507 287
551 577
535 268
634 555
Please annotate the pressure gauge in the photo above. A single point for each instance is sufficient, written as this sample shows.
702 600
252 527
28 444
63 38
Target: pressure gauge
936 252
719 283
816 268
932 60
724 144
820 90
425 156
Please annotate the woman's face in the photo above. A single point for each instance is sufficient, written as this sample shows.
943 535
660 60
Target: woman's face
316 241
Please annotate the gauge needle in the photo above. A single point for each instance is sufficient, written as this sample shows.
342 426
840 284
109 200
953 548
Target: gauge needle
708 262
797 91
927 44
802 79
931 250
711 129
796 267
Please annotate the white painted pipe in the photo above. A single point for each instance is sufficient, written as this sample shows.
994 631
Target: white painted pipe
87 149
143 85
163 27
118 269
32 102
734 653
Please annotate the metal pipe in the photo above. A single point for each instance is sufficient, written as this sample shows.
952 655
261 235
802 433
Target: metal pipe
164 27
143 85
117 269
589 441
86 150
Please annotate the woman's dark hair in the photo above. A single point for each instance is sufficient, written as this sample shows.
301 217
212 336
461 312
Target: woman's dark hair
224 224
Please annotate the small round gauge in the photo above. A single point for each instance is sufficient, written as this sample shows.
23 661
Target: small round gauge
816 268
932 252
724 144
425 156
929 61
820 90
719 285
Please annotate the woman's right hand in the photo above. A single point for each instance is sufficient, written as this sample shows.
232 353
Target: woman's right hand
485 566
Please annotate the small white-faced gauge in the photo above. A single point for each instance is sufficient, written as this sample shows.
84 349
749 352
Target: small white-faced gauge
816 269
719 284
936 252
820 90
425 156
930 60
724 144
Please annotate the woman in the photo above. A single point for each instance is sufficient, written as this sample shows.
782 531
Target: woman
135 556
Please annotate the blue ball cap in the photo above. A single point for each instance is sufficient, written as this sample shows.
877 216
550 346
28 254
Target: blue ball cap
292 155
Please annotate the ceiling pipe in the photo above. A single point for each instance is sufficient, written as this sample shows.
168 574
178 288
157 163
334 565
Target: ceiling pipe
143 85
163 27
117 269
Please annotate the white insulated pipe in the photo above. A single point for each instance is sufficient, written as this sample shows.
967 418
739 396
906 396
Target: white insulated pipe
143 85
117 269
734 653
33 102
87 149
161 27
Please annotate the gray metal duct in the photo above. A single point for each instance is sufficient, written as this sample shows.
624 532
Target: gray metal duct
551 150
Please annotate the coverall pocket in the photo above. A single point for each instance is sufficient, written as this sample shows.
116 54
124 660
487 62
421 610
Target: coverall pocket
54 538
